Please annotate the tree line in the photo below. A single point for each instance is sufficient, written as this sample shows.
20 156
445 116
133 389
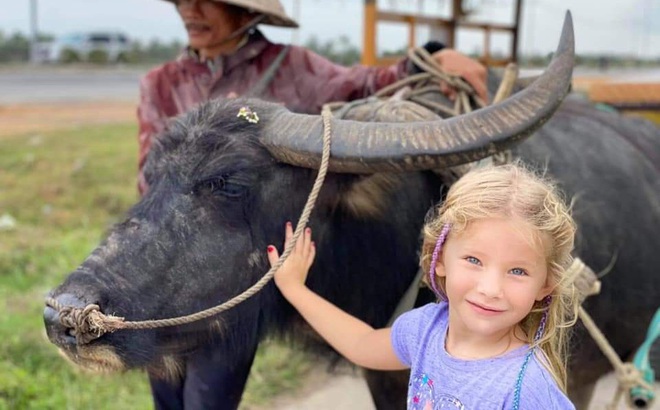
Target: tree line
15 48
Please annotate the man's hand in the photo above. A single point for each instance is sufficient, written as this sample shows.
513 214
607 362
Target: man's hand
459 64
295 268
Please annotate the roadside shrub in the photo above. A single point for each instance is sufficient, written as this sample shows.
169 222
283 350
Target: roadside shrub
124 58
68 56
98 57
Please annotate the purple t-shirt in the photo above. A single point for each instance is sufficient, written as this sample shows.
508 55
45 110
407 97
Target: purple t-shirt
440 381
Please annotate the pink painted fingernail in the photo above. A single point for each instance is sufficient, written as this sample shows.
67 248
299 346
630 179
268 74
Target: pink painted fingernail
271 248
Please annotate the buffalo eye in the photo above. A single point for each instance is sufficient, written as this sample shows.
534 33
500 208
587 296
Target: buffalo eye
213 186
219 186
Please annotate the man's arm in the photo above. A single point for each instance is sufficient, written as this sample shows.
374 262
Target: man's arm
322 81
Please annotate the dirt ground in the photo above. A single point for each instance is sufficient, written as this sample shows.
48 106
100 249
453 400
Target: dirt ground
40 117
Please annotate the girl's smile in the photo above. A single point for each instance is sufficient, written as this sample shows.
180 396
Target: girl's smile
484 309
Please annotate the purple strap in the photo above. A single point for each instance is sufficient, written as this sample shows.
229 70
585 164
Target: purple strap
546 308
434 261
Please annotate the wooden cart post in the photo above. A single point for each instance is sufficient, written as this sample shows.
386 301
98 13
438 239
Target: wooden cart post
447 26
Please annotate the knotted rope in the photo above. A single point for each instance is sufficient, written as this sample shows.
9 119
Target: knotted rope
90 323
414 87
628 376
430 80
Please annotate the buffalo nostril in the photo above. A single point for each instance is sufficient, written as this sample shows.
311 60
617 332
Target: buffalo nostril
59 334
51 317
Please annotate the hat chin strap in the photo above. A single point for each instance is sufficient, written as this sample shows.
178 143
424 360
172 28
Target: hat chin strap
242 30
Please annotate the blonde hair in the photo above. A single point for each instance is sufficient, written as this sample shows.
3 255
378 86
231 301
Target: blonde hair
514 191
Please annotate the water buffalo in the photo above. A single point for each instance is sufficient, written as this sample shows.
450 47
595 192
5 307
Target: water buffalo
222 187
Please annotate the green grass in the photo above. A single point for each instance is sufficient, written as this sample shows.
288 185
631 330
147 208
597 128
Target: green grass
63 190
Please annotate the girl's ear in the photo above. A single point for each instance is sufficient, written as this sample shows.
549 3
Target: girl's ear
440 266
545 290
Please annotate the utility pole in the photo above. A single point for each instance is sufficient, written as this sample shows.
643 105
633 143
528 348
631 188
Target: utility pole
295 35
530 28
646 30
34 31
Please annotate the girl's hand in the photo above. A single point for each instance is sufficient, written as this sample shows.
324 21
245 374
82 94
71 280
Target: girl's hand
294 270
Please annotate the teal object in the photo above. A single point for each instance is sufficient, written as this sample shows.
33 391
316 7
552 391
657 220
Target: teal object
605 107
642 397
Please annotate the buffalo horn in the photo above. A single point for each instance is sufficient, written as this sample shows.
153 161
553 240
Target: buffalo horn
368 147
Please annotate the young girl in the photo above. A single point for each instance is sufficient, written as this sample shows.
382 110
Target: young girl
496 253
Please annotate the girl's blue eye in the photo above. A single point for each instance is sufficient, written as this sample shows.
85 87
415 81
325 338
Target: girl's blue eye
518 272
473 260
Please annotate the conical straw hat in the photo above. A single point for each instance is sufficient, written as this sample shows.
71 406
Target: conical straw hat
272 9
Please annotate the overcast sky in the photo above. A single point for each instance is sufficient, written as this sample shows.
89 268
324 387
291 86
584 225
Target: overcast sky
630 27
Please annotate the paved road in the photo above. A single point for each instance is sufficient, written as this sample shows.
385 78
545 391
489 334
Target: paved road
19 85
46 84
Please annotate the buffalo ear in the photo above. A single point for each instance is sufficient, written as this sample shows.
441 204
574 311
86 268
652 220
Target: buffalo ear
368 196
